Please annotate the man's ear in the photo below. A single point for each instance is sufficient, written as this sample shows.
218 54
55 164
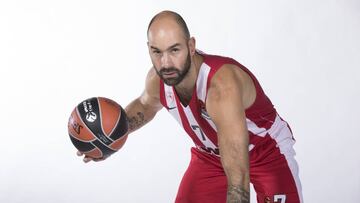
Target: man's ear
191 44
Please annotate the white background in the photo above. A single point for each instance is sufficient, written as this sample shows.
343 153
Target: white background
54 54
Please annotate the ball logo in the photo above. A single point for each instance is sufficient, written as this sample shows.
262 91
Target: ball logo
91 117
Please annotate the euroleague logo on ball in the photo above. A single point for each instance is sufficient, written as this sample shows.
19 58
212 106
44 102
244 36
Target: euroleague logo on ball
90 115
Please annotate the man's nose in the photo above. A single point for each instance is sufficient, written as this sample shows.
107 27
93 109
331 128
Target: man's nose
166 61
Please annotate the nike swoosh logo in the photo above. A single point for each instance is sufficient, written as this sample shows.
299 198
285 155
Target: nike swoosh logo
171 108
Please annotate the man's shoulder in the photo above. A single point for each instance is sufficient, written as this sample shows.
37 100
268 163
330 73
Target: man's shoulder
152 82
227 74
216 61
152 76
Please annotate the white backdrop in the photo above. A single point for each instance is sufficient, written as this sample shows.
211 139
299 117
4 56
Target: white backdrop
54 54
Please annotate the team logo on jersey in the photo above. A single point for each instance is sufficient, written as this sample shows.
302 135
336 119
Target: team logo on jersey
204 114
170 96
209 150
267 200
170 100
203 111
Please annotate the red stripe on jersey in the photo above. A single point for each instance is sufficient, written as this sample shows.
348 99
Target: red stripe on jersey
260 116
162 95
204 125
216 62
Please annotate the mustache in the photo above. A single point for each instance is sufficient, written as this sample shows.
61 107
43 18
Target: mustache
168 70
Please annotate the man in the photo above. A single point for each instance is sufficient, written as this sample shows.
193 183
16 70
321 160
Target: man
238 135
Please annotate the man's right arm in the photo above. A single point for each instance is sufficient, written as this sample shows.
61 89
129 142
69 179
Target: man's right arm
143 109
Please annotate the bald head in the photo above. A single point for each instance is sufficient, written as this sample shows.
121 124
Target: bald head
170 47
170 16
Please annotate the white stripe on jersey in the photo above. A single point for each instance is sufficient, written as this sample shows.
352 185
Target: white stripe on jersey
201 89
201 82
174 111
197 130
281 133
171 103
252 127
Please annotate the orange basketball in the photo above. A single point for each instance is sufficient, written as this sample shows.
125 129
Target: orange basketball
98 127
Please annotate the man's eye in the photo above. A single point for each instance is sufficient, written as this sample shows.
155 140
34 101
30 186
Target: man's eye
156 52
175 50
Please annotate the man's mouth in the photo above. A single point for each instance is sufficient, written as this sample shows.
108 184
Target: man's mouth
169 74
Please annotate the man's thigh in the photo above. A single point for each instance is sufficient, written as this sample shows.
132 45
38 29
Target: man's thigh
277 180
203 181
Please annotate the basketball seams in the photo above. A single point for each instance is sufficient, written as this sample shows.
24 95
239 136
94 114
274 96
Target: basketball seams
87 127
122 127
79 138
84 124
116 124
102 131
90 134
87 142
120 139
101 121
114 127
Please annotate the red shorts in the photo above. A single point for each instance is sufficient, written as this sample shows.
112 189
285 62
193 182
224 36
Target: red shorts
274 177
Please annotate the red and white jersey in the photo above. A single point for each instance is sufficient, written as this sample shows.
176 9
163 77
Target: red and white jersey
265 126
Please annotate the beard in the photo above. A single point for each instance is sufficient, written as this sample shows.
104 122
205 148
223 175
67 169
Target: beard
180 74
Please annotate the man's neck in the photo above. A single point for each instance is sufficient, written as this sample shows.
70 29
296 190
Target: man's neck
185 89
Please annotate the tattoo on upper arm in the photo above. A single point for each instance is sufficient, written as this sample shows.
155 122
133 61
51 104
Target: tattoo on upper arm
236 194
136 121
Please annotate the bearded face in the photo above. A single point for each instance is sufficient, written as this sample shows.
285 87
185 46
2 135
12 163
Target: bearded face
170 50
174 75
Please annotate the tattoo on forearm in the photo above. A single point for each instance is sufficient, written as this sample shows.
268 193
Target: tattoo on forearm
136 121
236 194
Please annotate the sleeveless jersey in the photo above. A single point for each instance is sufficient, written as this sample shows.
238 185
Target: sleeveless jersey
263 123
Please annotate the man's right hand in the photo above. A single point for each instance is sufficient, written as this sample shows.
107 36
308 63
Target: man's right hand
87 159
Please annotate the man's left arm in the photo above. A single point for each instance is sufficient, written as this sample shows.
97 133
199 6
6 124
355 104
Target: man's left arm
225 106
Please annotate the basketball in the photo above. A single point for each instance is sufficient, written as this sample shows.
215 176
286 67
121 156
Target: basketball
98 127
